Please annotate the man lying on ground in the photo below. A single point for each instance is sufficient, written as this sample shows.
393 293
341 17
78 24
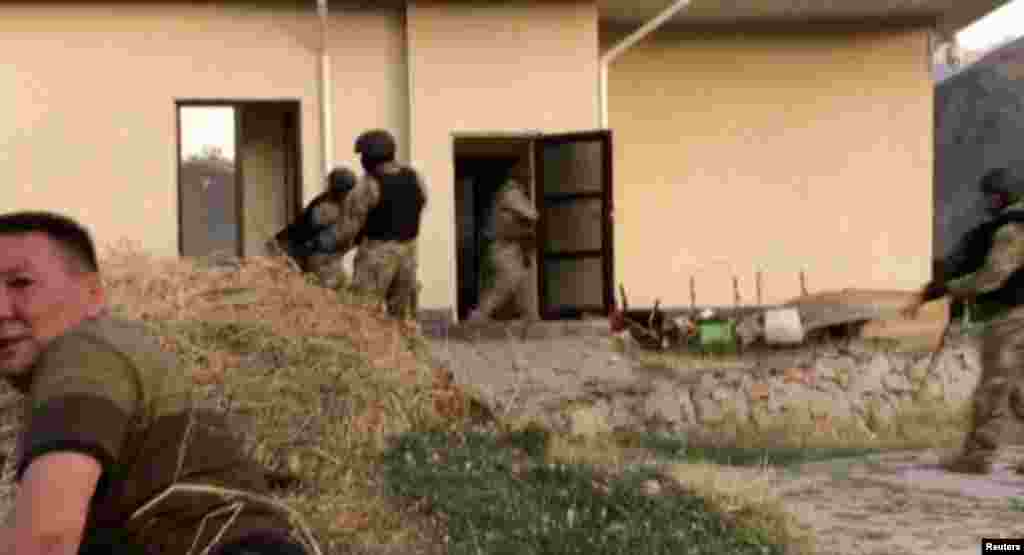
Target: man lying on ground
110 425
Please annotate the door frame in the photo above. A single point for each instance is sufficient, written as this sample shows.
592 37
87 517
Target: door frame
607 251
528 137
294 202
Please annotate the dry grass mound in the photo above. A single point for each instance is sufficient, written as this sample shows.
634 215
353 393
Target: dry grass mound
258 290
746 497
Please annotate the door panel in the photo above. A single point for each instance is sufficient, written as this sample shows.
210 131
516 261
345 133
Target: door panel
574 167
574 193
208 182
575 226
293 162
577 283
263 155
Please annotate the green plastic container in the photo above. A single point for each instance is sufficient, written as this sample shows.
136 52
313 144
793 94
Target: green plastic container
717 336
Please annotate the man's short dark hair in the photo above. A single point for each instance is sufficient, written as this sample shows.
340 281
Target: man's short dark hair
73 239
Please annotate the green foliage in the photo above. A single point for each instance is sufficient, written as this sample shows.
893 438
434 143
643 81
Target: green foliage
675 447
498 495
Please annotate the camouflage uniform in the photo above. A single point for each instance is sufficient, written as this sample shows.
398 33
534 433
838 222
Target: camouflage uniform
513 221
316 241
998 399
382 268
325 263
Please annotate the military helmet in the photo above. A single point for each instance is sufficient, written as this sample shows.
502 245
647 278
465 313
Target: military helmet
377 144
341 180
519 170
998 181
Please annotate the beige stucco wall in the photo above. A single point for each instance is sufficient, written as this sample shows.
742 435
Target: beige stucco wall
370 78
481 68
772 152
767 151
87 98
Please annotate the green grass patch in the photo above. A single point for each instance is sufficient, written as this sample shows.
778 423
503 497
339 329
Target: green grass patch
676 448
499 494
1017 504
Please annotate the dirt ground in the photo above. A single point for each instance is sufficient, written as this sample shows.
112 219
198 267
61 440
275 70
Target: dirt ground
891 504
904 504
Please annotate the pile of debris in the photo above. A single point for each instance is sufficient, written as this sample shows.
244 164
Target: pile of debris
848 313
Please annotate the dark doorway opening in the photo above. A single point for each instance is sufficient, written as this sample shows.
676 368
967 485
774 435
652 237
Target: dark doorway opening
571 183
239 174
481 167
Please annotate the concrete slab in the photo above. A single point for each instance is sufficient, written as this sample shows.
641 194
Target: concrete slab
923 471
1002 483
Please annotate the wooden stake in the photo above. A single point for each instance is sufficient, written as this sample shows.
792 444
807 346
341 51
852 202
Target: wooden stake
693 294
803 283
759 297
736 291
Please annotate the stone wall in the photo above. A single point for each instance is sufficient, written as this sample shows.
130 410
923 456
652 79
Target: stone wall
856 387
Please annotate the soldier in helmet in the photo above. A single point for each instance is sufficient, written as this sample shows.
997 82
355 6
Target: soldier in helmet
313 240
513 225
384 212
990 270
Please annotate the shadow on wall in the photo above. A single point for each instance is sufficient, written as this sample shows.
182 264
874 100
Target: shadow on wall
979 125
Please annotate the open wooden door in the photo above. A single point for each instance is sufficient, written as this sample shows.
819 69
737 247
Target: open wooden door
574 197
266 155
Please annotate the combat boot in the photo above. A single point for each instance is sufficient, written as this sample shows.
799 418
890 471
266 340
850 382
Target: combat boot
476 316
970 464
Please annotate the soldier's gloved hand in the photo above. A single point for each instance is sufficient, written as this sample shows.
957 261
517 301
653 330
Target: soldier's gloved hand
933 290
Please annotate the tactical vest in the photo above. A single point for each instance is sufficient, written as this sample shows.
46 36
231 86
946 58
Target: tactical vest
397 214
297 238
303 229
977 245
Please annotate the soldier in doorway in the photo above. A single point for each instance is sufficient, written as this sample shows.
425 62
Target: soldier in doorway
386 207
514 227
994 255
314 240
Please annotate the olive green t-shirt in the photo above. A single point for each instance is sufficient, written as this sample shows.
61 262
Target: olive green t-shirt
106 389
